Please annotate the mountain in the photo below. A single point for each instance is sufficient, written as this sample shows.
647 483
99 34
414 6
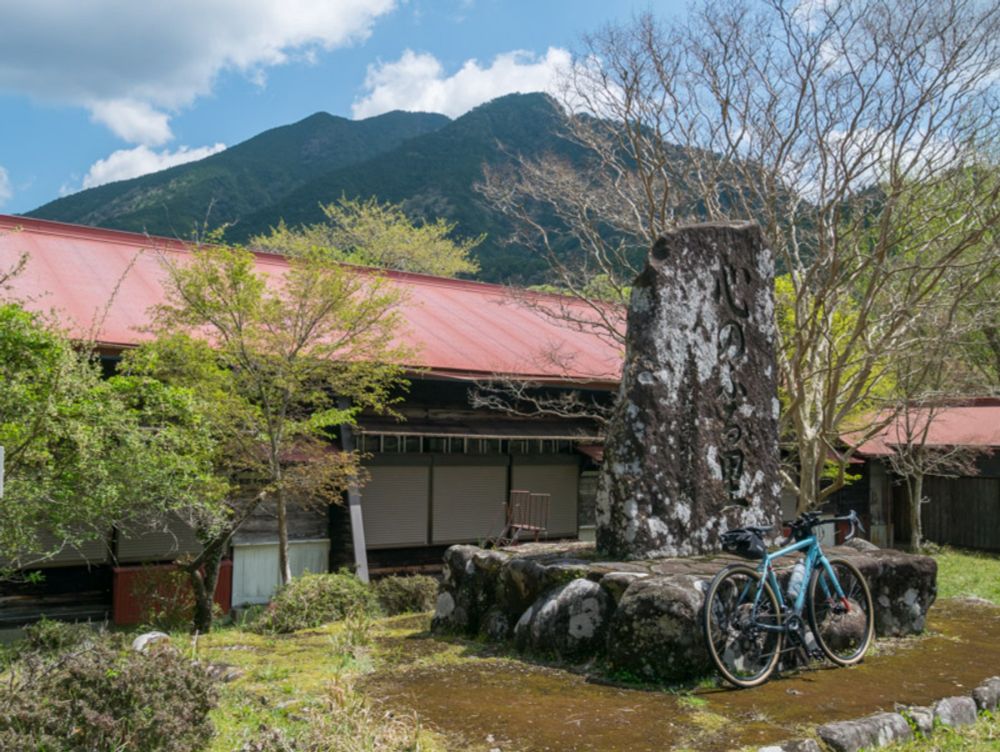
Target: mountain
426 162
434 176
241 180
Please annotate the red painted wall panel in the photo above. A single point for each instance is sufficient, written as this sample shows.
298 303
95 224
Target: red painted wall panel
131 586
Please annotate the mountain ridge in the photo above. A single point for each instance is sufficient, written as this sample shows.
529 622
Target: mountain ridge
427 163
243 178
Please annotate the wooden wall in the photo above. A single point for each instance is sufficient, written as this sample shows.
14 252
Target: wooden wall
963 512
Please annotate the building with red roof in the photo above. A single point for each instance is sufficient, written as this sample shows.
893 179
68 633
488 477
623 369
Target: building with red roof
441 476
457 328
962 509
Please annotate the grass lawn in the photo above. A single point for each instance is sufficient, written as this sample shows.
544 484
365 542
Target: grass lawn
301 686
984 735
963 574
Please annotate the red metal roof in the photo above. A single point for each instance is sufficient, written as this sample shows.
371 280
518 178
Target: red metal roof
968 425
459 328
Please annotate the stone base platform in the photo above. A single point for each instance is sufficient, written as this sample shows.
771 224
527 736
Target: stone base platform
641 617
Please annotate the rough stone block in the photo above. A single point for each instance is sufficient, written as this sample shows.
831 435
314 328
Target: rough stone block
923 719
145 641
616 583
468 588
955 711
655 632
797 745
903 588
692 447
652 607
570 621
987 694
496 625
876 730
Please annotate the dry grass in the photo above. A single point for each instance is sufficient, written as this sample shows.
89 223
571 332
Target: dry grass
299 688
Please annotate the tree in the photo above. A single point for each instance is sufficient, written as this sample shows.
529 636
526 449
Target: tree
979 347
848 130
370 233
296 352
82 453
229 418
912 458
920 400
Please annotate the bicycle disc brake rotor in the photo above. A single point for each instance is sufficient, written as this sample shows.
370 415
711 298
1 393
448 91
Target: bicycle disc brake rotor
842 628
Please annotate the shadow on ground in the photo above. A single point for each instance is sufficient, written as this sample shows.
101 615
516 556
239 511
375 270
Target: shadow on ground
480 698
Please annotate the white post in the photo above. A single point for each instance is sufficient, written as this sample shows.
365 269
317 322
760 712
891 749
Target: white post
354 505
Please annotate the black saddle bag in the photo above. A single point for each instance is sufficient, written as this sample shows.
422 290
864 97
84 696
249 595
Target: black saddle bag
745 543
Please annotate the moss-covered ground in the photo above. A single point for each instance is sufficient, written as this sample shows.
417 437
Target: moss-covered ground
964 574
388 684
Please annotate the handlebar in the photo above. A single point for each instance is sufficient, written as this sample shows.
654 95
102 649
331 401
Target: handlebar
806 522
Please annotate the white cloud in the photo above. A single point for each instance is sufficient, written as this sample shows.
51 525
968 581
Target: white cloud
6 190
134 63
417 81
130 163
133 121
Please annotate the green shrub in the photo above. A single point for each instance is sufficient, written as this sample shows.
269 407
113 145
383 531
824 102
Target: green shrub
106 697
401 595
47 636
312 600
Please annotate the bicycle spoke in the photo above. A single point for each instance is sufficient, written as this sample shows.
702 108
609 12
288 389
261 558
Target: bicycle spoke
738 609
843 626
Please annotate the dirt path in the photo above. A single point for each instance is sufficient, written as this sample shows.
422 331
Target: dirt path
483 702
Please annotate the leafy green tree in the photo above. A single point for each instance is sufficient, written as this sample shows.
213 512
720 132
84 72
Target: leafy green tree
229 419
290 354
369 233
84 453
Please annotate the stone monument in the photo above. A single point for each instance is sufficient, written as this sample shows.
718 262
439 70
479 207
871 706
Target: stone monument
692 448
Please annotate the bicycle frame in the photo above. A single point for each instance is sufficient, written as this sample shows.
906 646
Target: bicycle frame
814 557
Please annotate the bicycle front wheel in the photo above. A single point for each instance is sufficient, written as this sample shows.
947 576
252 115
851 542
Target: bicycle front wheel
738 607
844 628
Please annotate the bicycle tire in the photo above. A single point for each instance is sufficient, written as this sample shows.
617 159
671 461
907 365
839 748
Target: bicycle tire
718 624
839 634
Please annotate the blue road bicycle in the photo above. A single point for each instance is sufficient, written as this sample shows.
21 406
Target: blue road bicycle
747 619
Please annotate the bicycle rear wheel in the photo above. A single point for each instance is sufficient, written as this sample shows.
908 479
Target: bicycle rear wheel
738 605
843 628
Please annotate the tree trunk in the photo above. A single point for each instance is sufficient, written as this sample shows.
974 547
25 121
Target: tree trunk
204 580
810 470
916 488
283 563
992 335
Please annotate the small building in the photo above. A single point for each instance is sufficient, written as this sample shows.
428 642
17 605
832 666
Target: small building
960 511
439 477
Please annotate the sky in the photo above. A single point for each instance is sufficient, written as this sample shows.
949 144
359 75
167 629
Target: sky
103 90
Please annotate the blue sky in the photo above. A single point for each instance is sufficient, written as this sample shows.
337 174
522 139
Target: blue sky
107 89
